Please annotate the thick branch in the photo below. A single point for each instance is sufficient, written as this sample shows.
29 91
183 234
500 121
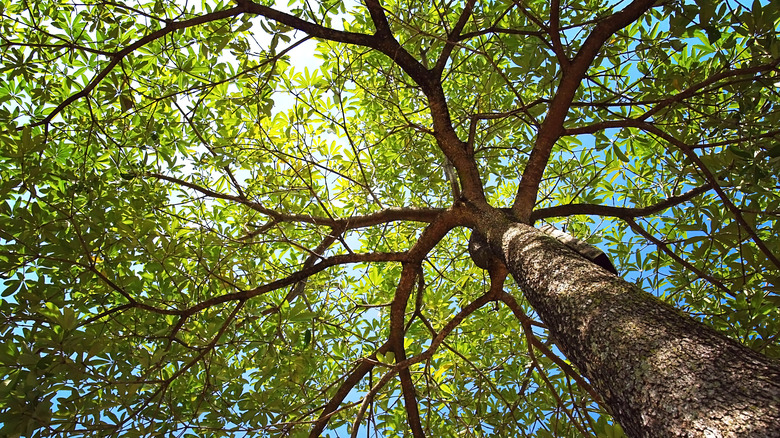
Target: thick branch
379 18
391 214
555 34
307 27
618 212
425 355
353 379
429 238
453 37
552 127
430 84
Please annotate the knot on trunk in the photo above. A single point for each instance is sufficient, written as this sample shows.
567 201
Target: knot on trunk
479 250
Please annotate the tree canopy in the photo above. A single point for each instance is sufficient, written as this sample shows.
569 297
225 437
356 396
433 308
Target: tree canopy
232 218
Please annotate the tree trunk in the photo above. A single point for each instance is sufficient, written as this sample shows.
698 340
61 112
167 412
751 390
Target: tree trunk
662 373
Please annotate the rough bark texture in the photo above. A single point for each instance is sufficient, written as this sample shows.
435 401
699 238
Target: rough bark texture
662 373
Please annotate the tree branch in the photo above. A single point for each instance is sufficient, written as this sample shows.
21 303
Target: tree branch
495 29
429 238
425 355
679 97
307 27
555 34
353 379
453 37
552 126
117 57
396 340
392 214
430 84
618 212
527 322
296 277
688 151
665 248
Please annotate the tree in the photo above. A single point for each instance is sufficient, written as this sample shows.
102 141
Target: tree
201 237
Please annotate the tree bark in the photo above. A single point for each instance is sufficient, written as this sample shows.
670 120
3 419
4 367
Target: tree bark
662 373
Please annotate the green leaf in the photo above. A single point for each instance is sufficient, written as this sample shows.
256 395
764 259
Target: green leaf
211 221
27 144
713 34
621 156
126 102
